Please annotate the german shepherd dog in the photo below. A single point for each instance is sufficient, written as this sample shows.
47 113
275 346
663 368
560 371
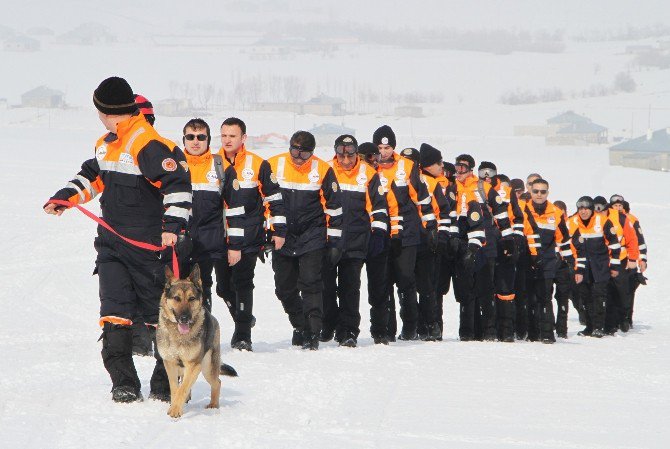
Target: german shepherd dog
189 341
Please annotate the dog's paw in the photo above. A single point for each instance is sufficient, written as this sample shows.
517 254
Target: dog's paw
213 405
175 411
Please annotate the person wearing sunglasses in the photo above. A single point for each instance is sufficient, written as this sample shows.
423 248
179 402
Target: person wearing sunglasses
401 176
248 187
548 239
313 207
619 297
364 226
498 240
145 193
597 245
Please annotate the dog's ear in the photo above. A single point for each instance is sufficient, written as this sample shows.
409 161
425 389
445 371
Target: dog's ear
194 276
169 276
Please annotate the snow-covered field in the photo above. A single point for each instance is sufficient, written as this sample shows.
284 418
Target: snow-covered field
579 392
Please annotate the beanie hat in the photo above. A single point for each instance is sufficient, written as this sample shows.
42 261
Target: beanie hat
114 97
346 140
384 135
429 155
616 198
146 108
517 185
303 141
411 154
449 168
368 148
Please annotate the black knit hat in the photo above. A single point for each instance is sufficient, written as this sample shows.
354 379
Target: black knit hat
368 148
346 139
517 185
410 153
600 200
384 135
429 155
114 97
449 168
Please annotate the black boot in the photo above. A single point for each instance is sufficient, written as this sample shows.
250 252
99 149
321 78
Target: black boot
142 344
380 339
310 341
327 334
297 339
117 356
348 340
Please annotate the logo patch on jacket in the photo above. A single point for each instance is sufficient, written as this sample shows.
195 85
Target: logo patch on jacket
334 186
247 173
211 176
169 164
100 152
126 158
313 176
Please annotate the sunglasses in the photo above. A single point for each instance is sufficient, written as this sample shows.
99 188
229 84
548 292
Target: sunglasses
584 205
200 137
616 199
373 157
299 153
346 150
540 191
462 167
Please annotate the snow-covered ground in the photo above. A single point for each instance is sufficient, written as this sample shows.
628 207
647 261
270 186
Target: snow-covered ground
580 392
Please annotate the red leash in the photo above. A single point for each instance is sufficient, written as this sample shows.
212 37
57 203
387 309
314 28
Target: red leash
104 224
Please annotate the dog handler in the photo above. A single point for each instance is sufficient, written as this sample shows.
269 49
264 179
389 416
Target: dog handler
145 195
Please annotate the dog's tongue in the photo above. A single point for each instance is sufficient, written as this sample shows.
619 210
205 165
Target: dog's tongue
183 328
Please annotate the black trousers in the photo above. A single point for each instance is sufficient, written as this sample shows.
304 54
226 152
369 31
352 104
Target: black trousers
505 308
426 274
521 279
377 270
446 273
485 310
299 287
618 307
342 283
564 282
594 297
633 284
464 290
402 275
541 323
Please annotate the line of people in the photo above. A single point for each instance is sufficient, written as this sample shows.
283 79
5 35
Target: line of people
417 223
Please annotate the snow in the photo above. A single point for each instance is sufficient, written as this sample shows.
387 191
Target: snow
579 392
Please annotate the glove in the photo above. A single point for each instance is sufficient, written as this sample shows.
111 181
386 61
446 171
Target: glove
509 249
432 240
183 247
334 255
641 278
396 247
376 244
520 242
536 265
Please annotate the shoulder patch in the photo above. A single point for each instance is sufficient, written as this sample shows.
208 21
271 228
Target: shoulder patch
236 184
169 164
499 199
452 195
581 239
334 186
380 190
273 178
474 216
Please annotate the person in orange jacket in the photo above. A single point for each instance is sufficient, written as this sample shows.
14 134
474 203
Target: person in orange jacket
365 223
548 243
597 245
313 210
565 285
636 278
145 195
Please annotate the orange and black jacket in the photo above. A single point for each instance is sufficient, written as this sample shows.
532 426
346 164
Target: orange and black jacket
413 200
626 234
514 211
642 244
496 218
547 233
440 203
142 179
247 191
597 246
312 204
364 207
206 224
467 218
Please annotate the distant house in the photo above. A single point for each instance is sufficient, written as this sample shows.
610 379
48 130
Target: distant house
43 97
22 43
324 105
409 111
90 33
651 151
326 134
570 128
